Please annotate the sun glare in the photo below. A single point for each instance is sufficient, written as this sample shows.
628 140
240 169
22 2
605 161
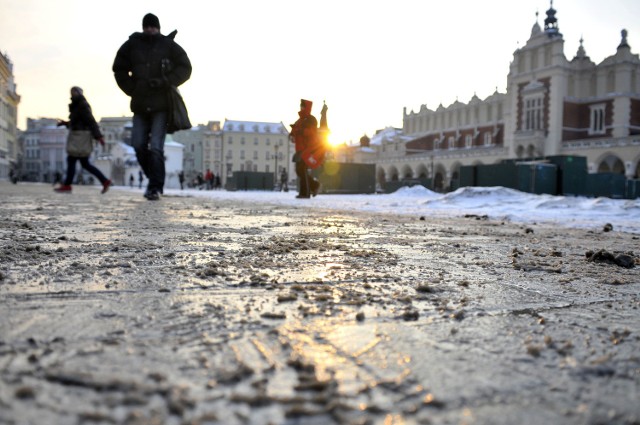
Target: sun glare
333 140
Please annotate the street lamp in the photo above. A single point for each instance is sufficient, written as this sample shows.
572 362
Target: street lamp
275 172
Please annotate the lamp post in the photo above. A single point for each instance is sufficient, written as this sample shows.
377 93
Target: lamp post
275 172
433 175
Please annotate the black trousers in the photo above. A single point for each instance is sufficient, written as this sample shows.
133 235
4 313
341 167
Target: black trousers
71 169
303 178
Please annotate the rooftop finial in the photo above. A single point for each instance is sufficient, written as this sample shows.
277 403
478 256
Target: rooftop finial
581 52
623 42
551 22
535 30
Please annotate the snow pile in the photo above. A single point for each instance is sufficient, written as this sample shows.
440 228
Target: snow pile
497 203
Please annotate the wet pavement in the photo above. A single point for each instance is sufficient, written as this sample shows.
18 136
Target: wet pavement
116 310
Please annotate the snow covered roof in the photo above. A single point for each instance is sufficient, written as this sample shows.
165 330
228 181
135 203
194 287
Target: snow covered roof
127 148
389 134
254 127
173 144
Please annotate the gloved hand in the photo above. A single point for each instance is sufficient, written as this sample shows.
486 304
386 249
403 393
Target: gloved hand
61 123
155 83
101 141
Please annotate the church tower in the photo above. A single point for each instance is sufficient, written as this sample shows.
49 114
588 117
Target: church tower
536 86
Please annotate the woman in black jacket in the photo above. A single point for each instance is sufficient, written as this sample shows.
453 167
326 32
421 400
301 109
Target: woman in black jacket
81 118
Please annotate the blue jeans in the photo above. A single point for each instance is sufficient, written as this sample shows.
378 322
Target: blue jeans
147 138
71 169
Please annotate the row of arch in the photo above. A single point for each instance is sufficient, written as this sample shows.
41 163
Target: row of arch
443 178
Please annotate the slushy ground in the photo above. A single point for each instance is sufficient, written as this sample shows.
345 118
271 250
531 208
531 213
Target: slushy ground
189 310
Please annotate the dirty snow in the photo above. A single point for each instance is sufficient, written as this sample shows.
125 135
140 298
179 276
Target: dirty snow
498 203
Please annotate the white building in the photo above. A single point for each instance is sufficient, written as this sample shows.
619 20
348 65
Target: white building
202 149
256 146
174 154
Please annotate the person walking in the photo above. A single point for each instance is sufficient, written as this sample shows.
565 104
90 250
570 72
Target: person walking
131 180
284 177
303 135
145 67
208 178
13 175
81 119
57 177
181 179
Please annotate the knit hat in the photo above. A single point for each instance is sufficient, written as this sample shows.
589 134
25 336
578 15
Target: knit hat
150 20
77 89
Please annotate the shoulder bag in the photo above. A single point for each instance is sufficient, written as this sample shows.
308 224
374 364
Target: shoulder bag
79 143
178 117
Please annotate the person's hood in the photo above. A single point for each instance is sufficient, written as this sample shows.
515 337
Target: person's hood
306 110
77 99
143 36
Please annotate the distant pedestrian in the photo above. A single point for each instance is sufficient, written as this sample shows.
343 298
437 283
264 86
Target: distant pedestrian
131 180
284 177
13 176
200 181
208 178
181 179
140 179
57 178
145 68
81 119
217 181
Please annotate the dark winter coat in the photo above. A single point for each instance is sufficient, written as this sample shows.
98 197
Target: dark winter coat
81 117
138 69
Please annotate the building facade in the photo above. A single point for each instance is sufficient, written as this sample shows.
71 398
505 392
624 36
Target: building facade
552 106
202 149
31 168
10 151
255 146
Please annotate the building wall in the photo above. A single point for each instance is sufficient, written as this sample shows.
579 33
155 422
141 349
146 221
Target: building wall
255 146
568 93
202 149
10 151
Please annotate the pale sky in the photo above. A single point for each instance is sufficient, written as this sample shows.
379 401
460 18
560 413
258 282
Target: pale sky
254 59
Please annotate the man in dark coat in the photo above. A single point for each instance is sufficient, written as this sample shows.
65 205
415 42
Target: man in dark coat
146 65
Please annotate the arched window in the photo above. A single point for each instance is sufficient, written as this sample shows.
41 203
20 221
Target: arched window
488 139
596 115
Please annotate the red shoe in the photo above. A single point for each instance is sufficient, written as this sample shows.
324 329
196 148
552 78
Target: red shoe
105 186
65 188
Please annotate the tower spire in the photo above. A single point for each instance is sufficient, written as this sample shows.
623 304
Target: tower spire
581 53
551 22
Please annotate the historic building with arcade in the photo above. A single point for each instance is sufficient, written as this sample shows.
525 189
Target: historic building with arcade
552 106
